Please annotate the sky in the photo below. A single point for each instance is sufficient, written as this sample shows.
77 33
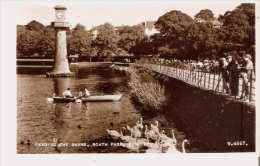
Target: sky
94 13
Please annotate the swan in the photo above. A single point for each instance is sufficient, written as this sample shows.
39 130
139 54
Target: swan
154 147
140 125
49 99
173 138
172 149
155 127
125 138
78 101
129 128
183 147
167 140
150 134
113 133
137 133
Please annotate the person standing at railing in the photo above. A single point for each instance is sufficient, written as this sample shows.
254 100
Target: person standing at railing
223 70
233 75
247 73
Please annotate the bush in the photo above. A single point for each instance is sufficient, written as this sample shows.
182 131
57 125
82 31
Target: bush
147 90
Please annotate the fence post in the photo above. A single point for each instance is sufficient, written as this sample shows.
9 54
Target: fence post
251 85
209 79
214 78
205 78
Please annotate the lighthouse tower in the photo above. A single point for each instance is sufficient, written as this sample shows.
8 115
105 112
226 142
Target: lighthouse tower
61 65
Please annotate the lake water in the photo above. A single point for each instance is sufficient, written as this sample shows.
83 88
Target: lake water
42 122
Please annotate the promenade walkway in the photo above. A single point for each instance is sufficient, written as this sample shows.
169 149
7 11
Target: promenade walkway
212 81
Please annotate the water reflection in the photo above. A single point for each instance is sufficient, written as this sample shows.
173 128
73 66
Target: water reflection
60 85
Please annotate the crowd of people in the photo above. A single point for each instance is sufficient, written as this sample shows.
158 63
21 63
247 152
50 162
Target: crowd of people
229 69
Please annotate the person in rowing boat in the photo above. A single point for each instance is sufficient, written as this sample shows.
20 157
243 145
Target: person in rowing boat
67 93
86 94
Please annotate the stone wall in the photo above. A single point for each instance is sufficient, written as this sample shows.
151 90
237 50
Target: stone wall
211 120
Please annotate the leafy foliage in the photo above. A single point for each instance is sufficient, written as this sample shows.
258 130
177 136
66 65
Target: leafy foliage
79 41
180 37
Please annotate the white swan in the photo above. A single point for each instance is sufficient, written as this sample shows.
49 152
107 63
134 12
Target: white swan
113 133
137 133
78 101
129 128
183 146
140 125
173 138
172 149
155 127
150 134
49 99
124 137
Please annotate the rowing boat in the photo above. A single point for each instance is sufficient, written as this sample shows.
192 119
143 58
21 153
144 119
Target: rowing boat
104 98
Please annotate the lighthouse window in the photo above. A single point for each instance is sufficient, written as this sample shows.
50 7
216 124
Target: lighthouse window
60 34
59 48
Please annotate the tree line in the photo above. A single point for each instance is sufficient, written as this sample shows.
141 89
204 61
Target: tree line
180 36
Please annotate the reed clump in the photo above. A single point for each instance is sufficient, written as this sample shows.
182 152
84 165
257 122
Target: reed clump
147 90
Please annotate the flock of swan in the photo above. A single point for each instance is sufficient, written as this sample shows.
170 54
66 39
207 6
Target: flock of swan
151 140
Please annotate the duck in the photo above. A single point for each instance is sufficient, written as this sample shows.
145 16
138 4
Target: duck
79 126
116 112
111 124
28 142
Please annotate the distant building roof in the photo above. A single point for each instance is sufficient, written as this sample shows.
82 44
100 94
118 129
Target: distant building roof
217 23
150 24
200 20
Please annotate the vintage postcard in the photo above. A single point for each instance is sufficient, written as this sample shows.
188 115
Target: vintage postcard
91 78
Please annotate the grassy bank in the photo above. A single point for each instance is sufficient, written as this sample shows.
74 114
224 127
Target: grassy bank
147 90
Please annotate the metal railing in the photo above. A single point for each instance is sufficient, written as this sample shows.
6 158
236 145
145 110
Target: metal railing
208 77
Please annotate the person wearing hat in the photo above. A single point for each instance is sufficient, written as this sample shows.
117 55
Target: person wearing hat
247 73
223 70
233 75
67 93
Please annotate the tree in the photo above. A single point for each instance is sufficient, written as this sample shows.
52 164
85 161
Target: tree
205 14
46 46
27 43
79 41
106 41
173 27
35 26
238 31
130 37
